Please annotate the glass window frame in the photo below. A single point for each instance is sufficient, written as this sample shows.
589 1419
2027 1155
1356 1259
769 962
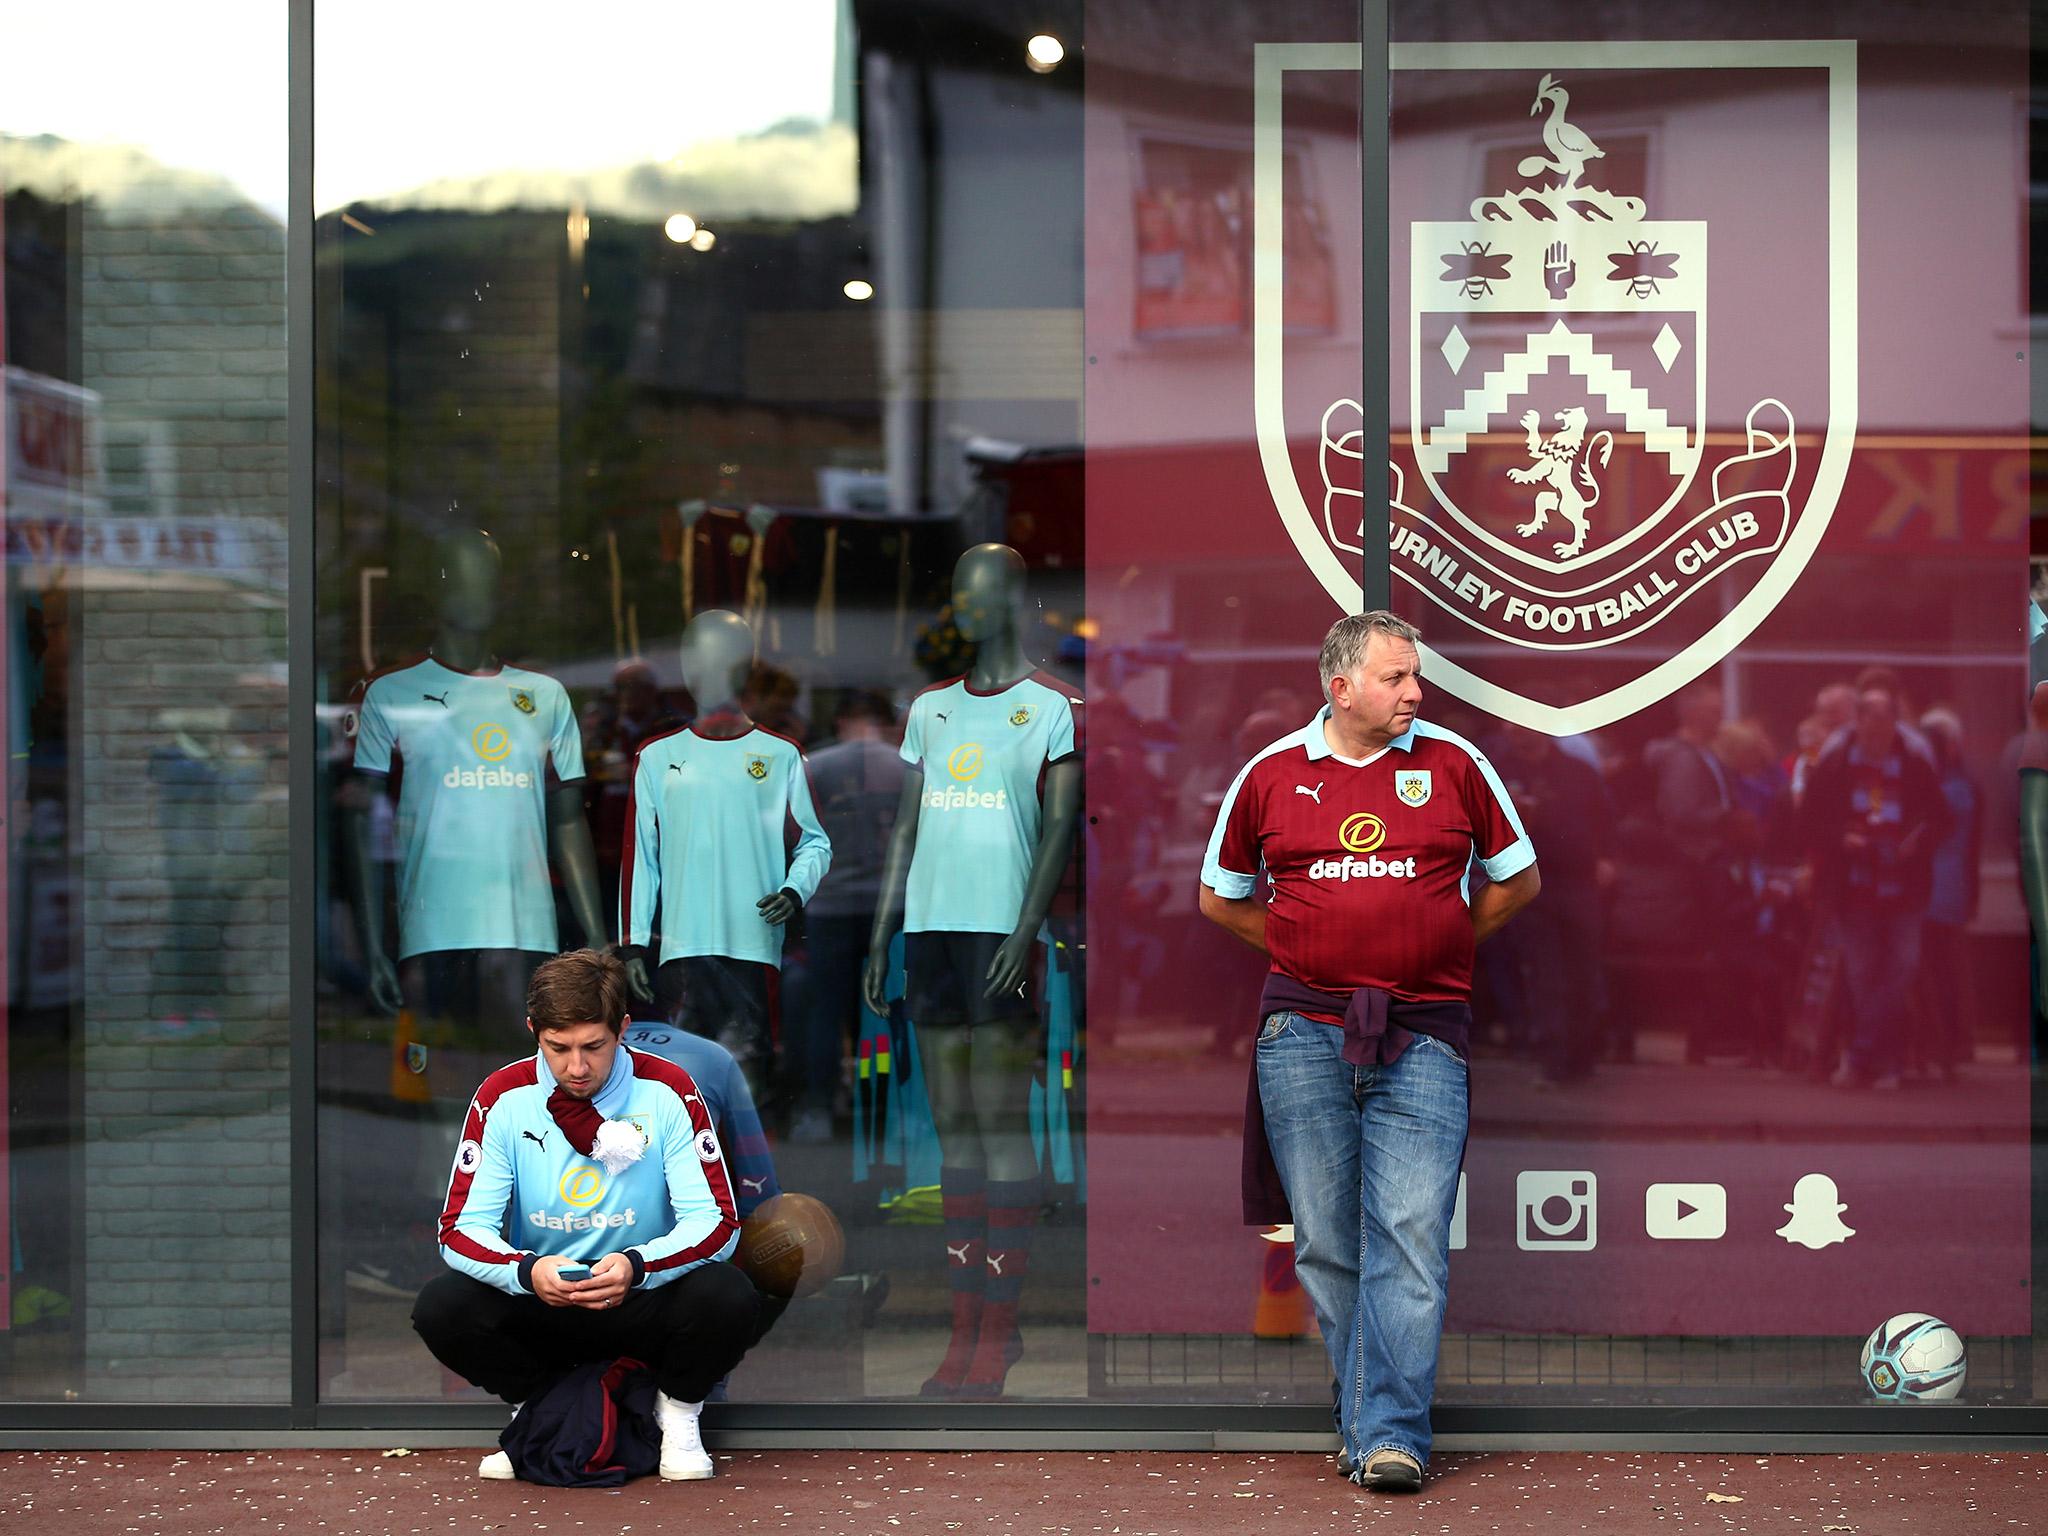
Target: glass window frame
1044 1425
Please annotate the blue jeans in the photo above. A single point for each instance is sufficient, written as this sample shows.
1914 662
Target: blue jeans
1880 955
1369 1158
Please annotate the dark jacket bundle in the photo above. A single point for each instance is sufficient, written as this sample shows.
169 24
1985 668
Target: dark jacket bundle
593 1428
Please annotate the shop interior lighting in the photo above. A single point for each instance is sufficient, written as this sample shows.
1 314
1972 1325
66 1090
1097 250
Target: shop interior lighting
703 240
1043 53
858 289
679 228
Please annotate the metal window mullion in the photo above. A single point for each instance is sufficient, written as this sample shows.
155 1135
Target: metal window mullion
1375 340
301 696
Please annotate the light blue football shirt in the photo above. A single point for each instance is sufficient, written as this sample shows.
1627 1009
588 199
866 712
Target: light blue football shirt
519 1190
472 808
708 824
977 819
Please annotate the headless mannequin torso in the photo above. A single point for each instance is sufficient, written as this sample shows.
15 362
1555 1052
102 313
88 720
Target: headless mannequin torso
717 655
470 568
988 606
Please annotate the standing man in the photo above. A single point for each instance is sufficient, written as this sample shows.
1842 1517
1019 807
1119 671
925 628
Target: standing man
1872 815
1365 824
591 1156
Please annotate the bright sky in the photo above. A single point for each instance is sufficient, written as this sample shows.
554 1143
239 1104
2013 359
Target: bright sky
411 91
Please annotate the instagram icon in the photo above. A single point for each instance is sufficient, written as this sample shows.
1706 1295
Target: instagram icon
1556 1211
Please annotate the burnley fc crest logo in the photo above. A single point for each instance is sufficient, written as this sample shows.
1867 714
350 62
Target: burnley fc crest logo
1596 488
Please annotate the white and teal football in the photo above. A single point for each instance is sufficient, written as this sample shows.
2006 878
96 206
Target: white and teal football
1914 1358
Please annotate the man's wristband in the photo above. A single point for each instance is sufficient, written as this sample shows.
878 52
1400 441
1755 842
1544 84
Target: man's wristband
526 1263
639 1266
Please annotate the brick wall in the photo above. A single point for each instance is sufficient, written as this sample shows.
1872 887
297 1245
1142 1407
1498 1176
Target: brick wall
178 720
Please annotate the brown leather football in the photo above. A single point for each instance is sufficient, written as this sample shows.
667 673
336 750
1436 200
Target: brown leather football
791 1245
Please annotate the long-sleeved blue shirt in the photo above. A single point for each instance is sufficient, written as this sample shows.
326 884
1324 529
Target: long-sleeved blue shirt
521 1191
706 841
724 1087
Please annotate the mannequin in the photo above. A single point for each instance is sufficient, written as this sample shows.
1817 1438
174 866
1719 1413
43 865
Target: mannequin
477 827
978 857
707 847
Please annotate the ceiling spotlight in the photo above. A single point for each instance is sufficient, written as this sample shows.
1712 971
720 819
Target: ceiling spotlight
703 240
1043 53
858 288
680 227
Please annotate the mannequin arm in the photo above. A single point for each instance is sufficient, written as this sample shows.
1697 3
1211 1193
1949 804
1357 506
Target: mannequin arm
576 857
1062 809
366 889
889 902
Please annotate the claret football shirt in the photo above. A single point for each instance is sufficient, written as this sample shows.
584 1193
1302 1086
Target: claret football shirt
982 755
1368 861
472 808
706 839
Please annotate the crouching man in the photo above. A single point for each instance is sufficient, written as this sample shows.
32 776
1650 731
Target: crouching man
588 1154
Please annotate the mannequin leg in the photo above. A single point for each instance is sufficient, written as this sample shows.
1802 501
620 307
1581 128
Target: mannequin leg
962 1176
1004 1061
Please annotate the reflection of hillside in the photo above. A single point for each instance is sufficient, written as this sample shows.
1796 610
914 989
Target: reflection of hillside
794 171
125 184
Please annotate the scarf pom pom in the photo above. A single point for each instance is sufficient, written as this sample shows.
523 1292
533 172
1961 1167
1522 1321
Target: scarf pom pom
618 1146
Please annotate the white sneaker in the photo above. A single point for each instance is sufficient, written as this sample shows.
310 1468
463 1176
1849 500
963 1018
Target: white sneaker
683 1457
498 1466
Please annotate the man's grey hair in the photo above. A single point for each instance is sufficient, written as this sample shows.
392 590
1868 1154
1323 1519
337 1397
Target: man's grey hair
1344 646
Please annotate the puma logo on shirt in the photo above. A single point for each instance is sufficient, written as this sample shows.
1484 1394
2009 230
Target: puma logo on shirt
540 1141
1315 794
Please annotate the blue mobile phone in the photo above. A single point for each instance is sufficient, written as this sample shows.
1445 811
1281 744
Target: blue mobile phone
569 1274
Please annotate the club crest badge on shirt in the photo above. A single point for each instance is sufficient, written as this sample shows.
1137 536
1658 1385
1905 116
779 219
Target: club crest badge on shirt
1022 716
415 1058
1412 785
522 701
757 767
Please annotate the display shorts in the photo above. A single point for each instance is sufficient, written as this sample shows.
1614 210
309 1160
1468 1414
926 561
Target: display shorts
720 999
945 980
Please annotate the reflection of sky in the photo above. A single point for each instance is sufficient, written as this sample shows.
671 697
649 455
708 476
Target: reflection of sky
411 91
201 88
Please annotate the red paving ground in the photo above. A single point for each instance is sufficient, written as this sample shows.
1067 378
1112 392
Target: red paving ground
1124 1494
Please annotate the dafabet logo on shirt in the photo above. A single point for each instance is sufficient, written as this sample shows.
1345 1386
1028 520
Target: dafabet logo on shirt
1362 833
964 763
582 1186
493 744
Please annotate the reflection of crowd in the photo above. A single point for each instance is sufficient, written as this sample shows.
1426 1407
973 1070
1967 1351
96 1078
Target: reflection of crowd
1803 909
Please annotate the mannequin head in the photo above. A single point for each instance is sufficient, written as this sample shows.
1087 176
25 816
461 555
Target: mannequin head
468 571
718 651
988 593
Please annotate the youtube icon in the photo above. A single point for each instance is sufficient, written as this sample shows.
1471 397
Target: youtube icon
1685 1212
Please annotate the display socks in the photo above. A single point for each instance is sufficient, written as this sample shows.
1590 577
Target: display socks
1012 1212
964 1202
